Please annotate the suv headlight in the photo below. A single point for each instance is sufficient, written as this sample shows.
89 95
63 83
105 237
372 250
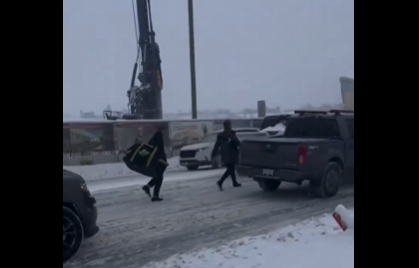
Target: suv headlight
203 149
84 188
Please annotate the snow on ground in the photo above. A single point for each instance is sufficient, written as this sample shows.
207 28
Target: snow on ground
108 171
102 185
317 242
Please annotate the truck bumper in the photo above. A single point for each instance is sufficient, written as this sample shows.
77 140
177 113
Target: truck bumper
277 174
200 159
194 162
90 218
90 227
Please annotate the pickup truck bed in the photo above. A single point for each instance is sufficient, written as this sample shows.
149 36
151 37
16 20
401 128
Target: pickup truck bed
287 159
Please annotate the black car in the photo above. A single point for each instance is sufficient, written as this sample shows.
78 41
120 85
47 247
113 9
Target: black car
317 146
79 213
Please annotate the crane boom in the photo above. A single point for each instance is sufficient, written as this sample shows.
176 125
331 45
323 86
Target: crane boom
145 100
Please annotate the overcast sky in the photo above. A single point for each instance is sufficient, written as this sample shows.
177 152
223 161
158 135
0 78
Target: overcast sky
287 52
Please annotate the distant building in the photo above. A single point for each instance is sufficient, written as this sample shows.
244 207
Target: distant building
87 114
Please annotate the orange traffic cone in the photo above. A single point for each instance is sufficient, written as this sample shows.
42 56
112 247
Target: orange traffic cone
343 218
339 221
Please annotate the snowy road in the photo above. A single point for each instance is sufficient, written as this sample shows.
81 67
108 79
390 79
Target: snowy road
194 214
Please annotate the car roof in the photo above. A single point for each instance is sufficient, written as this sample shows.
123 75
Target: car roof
241 130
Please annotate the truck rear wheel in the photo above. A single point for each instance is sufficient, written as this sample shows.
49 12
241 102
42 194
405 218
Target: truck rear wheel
73 233
329 183
269 185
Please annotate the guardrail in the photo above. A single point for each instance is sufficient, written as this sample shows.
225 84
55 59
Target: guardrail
86 143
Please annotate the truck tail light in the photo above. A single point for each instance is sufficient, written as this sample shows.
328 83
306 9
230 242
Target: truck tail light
302 155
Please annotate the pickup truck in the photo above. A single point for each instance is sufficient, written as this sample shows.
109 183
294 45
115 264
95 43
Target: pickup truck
316 146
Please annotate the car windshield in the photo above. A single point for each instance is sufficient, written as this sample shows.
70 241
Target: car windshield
212 137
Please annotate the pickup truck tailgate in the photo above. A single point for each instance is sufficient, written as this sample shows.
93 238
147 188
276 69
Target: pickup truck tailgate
270 153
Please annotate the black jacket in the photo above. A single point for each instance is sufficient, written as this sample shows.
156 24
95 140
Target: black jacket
229 144
158 141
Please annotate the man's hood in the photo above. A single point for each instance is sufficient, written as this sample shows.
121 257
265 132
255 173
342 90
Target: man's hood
197 146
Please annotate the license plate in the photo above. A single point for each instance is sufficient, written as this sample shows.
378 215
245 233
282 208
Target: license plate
268 172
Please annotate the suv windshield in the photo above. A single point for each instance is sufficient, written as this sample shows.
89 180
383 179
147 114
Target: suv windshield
312 127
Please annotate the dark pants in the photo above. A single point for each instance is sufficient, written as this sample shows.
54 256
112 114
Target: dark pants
156 182
230 171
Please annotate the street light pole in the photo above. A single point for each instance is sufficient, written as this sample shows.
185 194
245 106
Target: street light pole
192 59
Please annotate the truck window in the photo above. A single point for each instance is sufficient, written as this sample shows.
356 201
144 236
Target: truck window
271 121
296 127
250 135
312 127
350 124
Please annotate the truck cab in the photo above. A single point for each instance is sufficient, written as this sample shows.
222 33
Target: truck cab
79 213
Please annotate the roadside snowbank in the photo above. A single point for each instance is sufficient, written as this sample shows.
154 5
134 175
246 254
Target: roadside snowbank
318 242
114 170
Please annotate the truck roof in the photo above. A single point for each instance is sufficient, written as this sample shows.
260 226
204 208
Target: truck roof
272 120
329 113
295 140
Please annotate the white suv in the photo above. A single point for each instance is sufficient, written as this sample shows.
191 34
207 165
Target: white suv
196 155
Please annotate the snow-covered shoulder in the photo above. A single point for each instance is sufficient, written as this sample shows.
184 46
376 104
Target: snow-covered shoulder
318 242
108 171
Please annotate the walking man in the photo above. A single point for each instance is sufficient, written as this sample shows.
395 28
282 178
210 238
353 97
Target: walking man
157 141
229 144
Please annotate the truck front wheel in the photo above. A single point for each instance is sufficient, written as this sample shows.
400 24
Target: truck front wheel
72 233
269 185
330 180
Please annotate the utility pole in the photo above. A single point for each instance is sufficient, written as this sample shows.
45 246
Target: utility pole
192 59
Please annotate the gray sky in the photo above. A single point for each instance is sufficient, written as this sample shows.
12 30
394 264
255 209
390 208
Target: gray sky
287 52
